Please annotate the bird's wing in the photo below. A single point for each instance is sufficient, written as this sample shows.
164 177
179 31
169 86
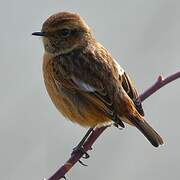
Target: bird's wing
96 95
92 88
136 117
131 91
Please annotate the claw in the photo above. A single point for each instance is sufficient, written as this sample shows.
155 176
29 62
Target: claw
117 126
82 163
85 155
64 177
81 149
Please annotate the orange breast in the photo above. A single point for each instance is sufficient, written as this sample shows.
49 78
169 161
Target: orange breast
71 104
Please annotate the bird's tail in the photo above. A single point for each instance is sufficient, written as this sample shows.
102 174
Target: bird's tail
153 137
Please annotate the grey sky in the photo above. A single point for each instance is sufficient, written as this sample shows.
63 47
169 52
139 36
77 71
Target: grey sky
35 139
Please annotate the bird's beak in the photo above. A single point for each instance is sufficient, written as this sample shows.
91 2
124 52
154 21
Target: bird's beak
38 34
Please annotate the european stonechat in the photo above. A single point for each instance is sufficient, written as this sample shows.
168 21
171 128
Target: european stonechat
85 83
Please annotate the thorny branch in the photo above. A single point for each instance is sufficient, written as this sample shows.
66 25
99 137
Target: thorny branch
75 157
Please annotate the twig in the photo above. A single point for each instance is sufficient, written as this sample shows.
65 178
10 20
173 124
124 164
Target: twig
159 84
60 173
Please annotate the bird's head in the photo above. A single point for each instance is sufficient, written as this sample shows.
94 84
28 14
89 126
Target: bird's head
64 32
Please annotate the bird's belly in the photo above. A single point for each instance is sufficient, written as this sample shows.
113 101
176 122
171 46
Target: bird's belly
75 107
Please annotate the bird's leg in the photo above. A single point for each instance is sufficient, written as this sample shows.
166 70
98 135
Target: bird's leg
80 147
117 122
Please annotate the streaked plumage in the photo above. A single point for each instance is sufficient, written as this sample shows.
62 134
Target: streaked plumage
85 83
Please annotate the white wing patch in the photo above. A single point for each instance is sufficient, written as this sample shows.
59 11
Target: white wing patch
120 69
88 88
82 85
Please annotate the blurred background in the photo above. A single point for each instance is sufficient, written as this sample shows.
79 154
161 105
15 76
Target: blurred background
35 139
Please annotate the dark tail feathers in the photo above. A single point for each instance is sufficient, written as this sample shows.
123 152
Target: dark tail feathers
153 137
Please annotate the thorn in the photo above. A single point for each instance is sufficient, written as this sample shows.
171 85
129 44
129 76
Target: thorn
160 78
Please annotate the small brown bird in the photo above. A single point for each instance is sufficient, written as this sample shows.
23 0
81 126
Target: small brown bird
85 83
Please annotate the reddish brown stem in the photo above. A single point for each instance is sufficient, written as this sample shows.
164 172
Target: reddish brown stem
60 173
159 84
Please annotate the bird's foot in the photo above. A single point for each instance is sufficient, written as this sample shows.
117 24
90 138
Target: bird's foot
117 126
80 149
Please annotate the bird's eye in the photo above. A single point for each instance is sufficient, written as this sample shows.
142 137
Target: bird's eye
65 32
